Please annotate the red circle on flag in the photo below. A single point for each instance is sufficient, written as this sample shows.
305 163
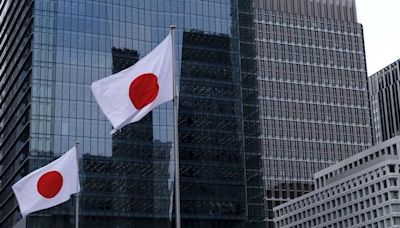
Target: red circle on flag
49 184
143 90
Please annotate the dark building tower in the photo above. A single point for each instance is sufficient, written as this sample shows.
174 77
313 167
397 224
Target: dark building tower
385 103
313 91
16 41
251 114
211 133
50 53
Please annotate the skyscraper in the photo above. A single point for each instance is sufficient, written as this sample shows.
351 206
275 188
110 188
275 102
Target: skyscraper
52 50
278 84
16 22
313 91
385 104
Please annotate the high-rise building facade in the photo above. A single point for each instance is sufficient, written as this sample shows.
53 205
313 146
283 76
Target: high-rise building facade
313 91
52 50
384 91
16 63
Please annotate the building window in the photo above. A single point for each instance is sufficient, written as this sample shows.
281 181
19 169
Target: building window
391 168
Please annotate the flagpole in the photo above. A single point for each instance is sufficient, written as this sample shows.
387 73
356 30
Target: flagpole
176 139
77 194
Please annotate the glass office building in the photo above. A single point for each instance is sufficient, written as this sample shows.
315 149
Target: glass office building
52 50
313 91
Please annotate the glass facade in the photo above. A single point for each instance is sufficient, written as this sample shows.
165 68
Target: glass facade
211 131
251 114
46 105
313 92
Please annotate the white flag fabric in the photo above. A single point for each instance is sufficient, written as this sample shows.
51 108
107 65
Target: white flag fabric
127 96
48 186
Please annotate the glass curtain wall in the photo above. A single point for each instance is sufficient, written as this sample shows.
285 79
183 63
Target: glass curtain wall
125 178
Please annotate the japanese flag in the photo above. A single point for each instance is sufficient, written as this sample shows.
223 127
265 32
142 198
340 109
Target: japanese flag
127 96
48 186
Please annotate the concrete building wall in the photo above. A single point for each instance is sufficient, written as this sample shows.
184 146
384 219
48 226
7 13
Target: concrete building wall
313 93
385 103
361 191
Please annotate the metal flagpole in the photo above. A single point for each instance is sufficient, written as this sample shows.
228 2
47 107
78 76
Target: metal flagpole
77 194
176 139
